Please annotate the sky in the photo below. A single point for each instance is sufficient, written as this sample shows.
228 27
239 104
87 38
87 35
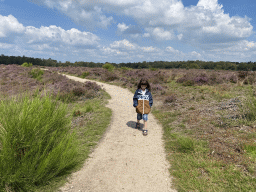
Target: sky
123 31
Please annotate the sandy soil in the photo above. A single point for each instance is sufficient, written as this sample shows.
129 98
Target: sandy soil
124 160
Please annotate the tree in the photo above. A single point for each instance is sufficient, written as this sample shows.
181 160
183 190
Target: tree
242 67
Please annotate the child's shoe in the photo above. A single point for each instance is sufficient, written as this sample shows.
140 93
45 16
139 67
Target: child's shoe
145 132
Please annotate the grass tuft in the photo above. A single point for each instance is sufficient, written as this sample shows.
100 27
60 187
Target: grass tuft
36 143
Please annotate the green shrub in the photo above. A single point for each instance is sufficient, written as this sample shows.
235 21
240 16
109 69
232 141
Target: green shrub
36 73
153 69
108 66
85 74
126 68
188 83
26 64
37 145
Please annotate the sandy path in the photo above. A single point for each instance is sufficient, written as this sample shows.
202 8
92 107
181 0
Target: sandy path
124 160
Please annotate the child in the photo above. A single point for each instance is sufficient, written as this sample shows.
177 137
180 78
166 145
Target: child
143 102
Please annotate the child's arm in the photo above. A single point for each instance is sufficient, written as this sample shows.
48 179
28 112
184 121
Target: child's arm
150 100
135 100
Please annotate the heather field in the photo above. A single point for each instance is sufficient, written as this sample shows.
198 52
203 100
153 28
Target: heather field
208 119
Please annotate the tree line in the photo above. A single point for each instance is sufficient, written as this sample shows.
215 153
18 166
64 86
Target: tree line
220 65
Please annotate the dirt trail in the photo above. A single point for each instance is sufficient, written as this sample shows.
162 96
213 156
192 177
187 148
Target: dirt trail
124 160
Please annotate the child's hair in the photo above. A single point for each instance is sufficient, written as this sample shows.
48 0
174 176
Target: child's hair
144 81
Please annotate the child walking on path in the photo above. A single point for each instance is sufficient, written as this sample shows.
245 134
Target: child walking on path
143 102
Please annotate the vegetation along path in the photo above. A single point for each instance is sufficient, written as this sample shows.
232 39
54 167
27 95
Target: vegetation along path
124 159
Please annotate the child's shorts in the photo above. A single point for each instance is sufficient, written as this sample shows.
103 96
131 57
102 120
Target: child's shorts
145 117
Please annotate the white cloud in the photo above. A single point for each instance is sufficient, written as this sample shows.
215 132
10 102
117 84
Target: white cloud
171 49
160 33
134 36
124 44
209 4
149 49
251 45
65 5
125 48
54 34
175 14
42 47
176 54
6 46
146 35
194 53
180 36
142 9
242 46
44 39
104 21
10 25
122 27
86 13
131 30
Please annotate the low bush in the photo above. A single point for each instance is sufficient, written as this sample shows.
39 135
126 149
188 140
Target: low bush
78 91
108 66
130 73
109 76
92 86
188 79
97 72
201 80
188 83
250 79
26 64
126 68
36 73
37 145
159 77
170 99
233 78
85 74
157 87
242 74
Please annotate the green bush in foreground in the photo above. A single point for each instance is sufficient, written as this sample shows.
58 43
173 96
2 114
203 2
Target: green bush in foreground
35 143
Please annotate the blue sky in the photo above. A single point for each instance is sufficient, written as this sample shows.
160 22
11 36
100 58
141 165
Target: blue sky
129 30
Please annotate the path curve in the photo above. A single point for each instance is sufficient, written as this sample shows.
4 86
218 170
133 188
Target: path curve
124 160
